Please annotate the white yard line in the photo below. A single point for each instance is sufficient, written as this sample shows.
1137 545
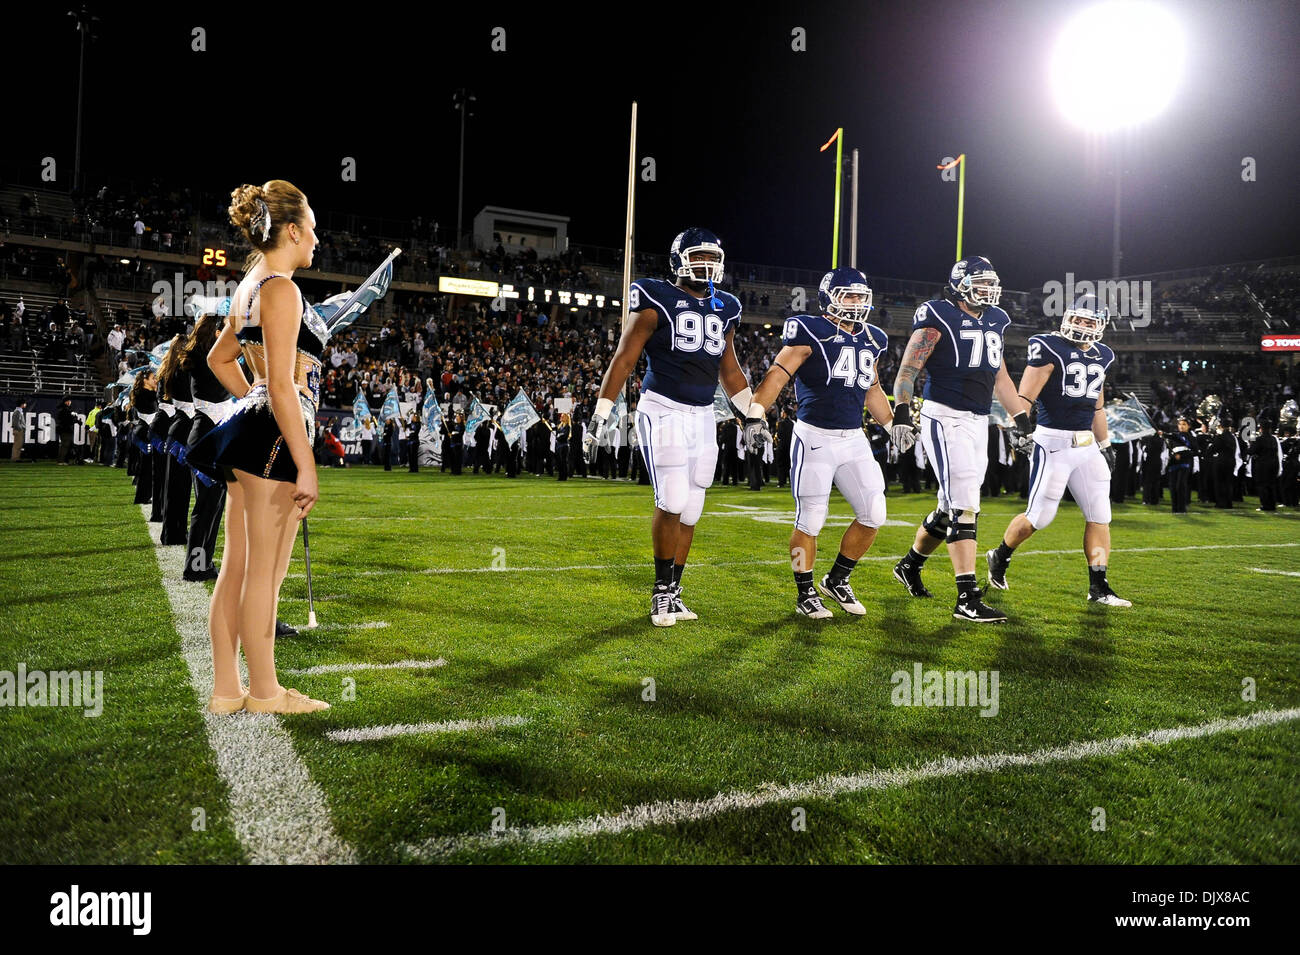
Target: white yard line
745 563
368 625
1280 573
354 667
278 813
678 811
369 733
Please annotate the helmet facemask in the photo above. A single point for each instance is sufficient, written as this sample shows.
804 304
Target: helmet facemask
854 313
980 290
1084 326
701 270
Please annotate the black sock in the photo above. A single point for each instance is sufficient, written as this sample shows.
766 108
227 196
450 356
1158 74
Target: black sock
842 568
913 559
663 571
677 574
1097 578
966 587
803 581
1005 552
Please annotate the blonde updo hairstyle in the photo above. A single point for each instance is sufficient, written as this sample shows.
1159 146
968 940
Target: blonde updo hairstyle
249 205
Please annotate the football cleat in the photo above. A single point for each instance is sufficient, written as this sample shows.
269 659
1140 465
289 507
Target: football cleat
810 605
1104 595
910 577
661 606
842 594
975 609
680 610
997 570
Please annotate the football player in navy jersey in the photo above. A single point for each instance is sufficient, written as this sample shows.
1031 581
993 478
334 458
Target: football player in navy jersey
1065 374
832 358
958 341
686 329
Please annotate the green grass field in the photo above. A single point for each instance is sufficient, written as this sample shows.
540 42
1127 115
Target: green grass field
748 698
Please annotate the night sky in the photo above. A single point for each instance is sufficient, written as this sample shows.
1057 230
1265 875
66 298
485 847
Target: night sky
732 117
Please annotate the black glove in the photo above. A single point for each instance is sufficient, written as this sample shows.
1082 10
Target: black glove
756 434
1022 439
1108 453
901 431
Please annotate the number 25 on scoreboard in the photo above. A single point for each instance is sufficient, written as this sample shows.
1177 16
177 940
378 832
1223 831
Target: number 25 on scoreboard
214 257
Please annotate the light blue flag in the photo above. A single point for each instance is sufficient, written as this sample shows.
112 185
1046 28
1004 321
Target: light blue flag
1000 416
341 310
1128 421
721 406
391 408
519 416
432 414
477 415
360 407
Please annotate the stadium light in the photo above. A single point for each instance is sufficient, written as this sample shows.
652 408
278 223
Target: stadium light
1114 66
1117 64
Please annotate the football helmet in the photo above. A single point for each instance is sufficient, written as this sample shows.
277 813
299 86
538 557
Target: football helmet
1084 322
974 282
684 260
838 284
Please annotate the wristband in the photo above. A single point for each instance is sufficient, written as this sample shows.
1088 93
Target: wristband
777 364
603 407
756 411
1022 422
902 414
742 398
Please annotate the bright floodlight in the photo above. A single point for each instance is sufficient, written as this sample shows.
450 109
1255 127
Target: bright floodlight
1117 64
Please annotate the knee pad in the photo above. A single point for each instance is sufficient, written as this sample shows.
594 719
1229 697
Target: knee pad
936 524
672 490
810 516
963 526
873 513
694 507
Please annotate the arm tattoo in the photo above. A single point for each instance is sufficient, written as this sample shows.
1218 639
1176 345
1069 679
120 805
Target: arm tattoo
919 348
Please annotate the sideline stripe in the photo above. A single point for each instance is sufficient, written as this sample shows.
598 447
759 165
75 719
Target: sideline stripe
678 811
278 813
1280 573
352 667
368 733
753 563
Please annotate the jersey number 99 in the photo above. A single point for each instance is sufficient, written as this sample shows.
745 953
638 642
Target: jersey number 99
692 331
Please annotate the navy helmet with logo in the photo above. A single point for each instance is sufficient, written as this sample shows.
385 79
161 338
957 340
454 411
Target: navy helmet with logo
974 282
685 261
1084 322
836 286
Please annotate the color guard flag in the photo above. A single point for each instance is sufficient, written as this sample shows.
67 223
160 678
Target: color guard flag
432 414
1128 421
341 310
360 407
519 416
391 408
477 415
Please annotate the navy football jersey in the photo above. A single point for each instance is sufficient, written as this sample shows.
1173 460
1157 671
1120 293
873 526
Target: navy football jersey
1069 399
831 385
964 363
685 352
